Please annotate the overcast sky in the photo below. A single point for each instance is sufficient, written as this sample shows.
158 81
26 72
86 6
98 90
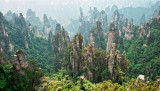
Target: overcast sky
64 10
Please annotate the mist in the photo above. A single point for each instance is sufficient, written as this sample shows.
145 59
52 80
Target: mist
64 10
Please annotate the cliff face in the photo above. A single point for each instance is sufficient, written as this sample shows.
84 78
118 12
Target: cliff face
60 42
125 27
96 36
143 30
47 26
90 22
111 36
129 30
89 53
34 21
94 62
42 28
111 59
25 69
20 61
115 18
50 42
58 28
77 45
5 44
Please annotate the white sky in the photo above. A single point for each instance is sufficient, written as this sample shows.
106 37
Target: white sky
64 10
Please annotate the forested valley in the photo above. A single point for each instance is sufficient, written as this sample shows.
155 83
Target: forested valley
100 51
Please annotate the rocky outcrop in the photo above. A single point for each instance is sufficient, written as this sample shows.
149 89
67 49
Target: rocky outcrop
3 60
58 28
34 30
111 37
94 62
115 18
53 24
50 42
26 45
125 27
20 61
141 78
28 70
60 42
47 26
96 36
11 47
34 21
89 54
143 30
129 30
111 59
90 22
4 40
20 21
77 45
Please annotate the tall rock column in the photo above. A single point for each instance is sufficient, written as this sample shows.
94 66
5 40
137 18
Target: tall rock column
77 45
111 59
130 29
111 37
20 61
89 54
60 43
97 36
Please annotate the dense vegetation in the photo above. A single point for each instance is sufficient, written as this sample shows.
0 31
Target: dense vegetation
79 65
11 79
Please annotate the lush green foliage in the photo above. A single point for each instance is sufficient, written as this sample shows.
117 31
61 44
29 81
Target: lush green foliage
144 60
10 79
20 35
61 81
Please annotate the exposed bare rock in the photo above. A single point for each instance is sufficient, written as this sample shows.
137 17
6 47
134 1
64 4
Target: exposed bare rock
89 54
91 61
20 61
58 28
129 31
77 44
140 77
60 42
26 45
96 35
47 26
111 59
145 45
143 30
2 61
11 47
3 44
4 30
111 37
33 29
1 50
115 18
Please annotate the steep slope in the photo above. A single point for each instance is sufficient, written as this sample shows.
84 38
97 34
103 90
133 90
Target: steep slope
19 35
